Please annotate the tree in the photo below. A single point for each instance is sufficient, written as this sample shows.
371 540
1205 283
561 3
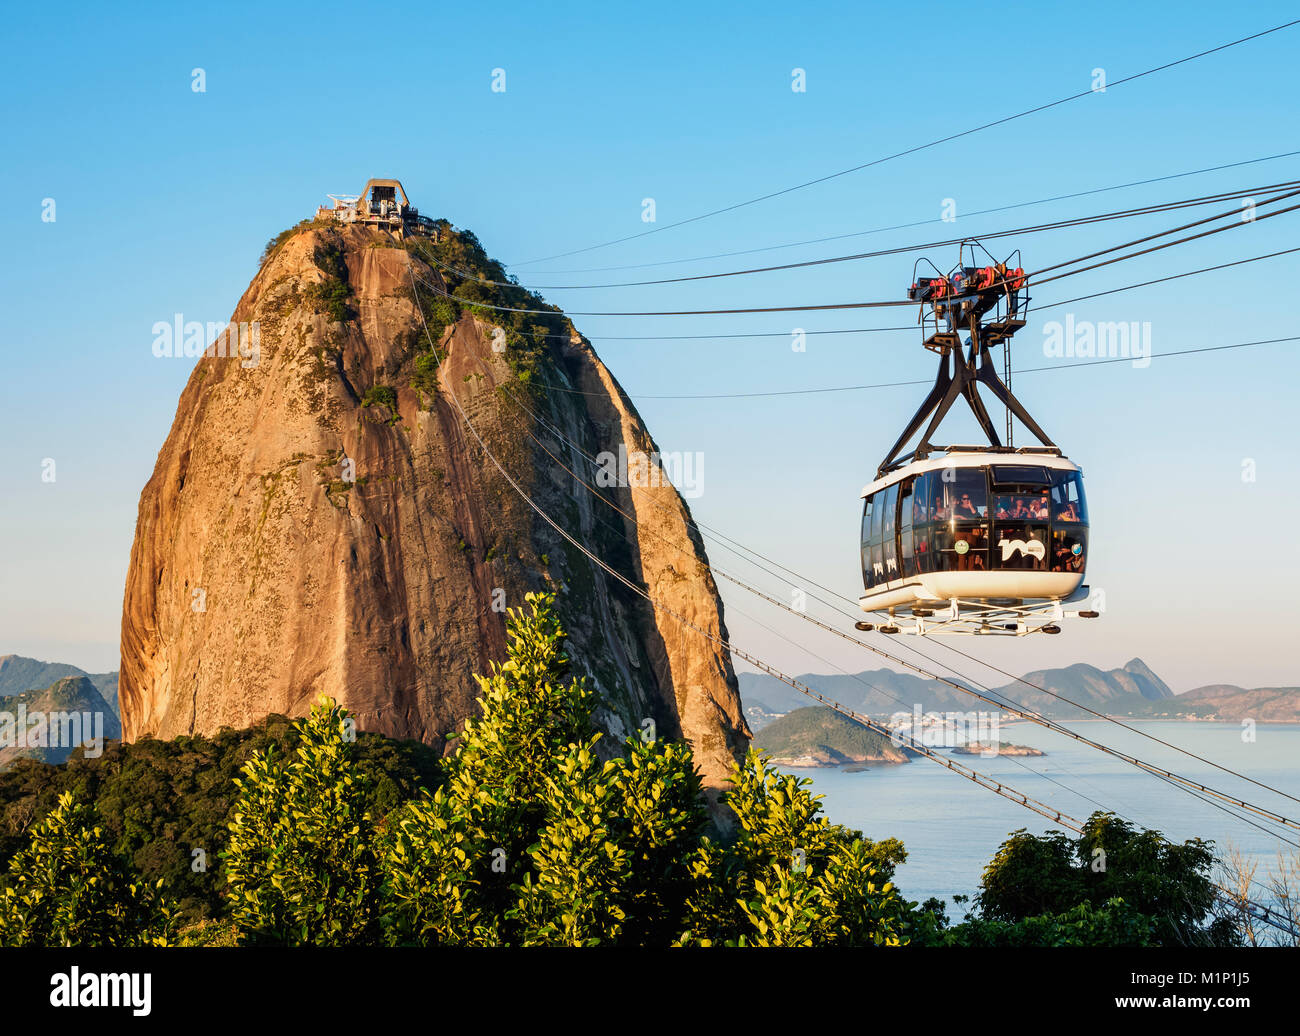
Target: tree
68 888
538 840
1052 875
301 861
535 839
790 877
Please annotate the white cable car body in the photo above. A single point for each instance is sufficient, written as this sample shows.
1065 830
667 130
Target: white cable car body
973 539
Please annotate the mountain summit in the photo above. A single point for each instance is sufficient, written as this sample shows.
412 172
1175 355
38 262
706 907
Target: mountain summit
321 521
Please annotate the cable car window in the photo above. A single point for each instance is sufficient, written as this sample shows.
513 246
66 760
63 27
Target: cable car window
889 508
921 499
866 543
906 518
922 536
877 510
1067 498
967 493
959 548
1022 507
1020 545
1020 475
877 564
1069 549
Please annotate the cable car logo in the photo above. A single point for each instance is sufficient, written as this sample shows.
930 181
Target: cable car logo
1033 547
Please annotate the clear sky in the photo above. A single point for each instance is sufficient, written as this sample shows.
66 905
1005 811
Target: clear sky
164 197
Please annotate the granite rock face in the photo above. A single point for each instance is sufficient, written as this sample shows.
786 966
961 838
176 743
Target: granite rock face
321 521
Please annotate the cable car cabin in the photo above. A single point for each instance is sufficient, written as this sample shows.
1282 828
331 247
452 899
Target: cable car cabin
984 532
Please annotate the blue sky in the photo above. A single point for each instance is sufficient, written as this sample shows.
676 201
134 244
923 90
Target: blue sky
165 198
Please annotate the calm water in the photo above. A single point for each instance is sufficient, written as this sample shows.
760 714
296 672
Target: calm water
952 827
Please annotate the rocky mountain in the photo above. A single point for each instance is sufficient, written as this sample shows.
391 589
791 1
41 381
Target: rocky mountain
18 674
47 724
821 736
321 521
883 692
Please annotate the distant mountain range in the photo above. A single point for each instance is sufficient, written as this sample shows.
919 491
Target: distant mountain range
1133 691
19 674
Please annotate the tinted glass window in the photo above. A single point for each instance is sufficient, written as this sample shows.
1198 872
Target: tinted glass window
1022 506
877 508
1020 475
1021 545
877 565
921 498
889 507
906 518
1069 548
921 537
866 543
1067 497
960 547
965 493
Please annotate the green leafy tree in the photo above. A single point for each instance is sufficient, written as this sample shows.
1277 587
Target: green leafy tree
1052 875
301 861
535 839
790 877
69 888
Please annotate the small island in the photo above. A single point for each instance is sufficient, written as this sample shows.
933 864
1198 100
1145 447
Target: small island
821 736
996 748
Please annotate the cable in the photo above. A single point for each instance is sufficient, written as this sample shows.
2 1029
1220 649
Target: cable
1077 221
926 222
904 302
916 149
921 381
1167 244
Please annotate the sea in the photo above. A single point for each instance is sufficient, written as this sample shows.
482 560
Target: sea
951 827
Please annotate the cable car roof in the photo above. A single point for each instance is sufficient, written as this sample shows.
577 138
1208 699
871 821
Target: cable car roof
973 457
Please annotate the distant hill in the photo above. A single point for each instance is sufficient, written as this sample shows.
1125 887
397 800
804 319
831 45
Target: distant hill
820 736
72 695
19 674
1133 690
882 692
1230 704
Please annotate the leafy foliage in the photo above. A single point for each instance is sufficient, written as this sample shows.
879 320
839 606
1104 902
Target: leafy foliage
1113 923
301 864
159 801
1053 875
463 265
69 888
790 877
425 377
